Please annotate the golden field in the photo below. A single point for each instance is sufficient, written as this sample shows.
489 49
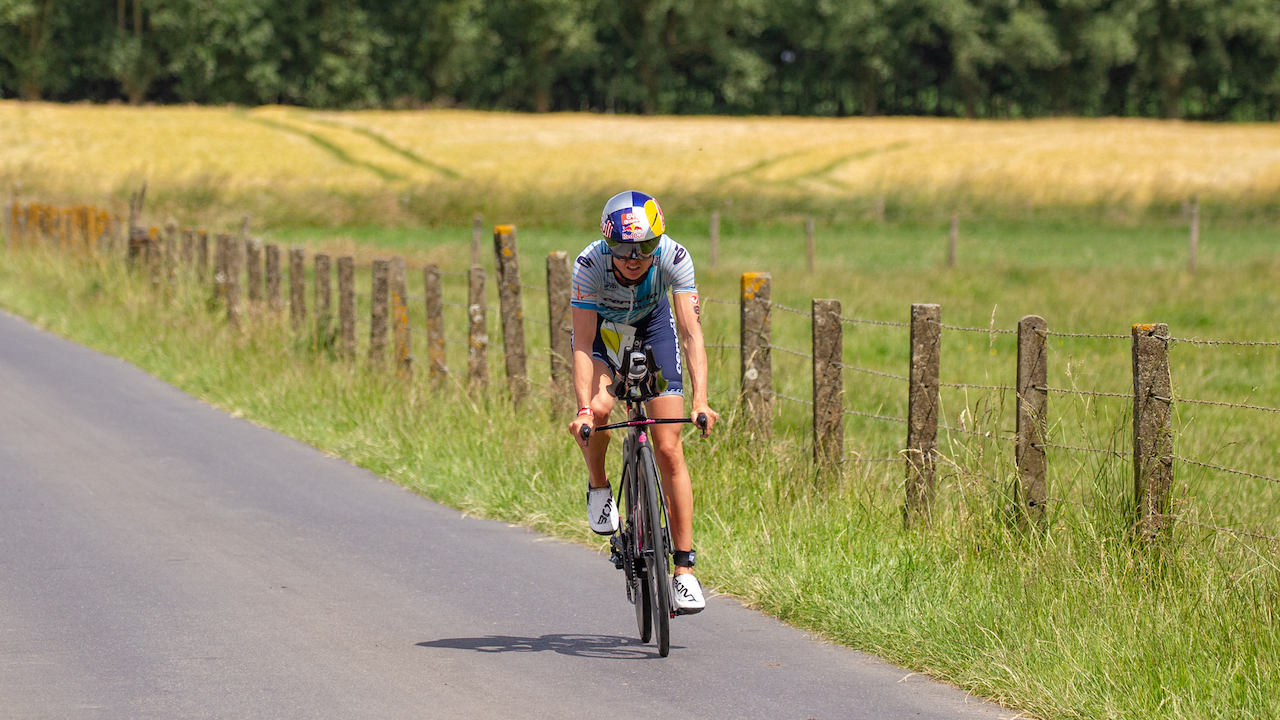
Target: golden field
91 150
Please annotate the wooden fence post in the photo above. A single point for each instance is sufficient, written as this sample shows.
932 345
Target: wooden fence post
922 411
434 297
756 338
714 254
275 301
135 255
202 255
170 250
1033 411
477 333
155 257
560 318
1152 428
808 243
828 384
298 289
253 261
1194 240
347 307
378 296
11 214
952 237
507 262
188 250
232 271
324 310
397 286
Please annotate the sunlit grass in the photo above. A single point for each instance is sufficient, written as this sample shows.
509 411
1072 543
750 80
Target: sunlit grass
1074 622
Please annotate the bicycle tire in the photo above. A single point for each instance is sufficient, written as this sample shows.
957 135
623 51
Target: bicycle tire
639 590
657 557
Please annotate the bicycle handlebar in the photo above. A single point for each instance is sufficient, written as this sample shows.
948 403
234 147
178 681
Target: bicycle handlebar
701 422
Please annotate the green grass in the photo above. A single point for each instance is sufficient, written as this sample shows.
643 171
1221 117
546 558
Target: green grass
1073 622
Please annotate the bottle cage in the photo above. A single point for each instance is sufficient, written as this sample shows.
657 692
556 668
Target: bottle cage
636 382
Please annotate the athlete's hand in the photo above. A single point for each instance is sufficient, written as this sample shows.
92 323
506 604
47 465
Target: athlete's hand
575 428
712 417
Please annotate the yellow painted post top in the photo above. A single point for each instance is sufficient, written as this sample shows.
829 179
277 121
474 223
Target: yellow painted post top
503 229
752 282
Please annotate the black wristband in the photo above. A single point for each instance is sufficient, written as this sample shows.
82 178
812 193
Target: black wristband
684 558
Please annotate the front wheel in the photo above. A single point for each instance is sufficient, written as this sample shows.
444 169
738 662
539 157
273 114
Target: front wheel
656 554
638 587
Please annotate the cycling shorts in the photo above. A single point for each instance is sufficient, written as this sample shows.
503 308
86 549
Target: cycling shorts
657 329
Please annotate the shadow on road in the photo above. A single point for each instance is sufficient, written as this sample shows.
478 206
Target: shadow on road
588 646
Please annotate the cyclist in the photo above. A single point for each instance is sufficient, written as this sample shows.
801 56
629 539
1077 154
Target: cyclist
620 286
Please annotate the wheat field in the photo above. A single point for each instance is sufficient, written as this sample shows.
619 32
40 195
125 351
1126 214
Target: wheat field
91 150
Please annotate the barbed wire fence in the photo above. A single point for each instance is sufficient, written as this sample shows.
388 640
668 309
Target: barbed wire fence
86 231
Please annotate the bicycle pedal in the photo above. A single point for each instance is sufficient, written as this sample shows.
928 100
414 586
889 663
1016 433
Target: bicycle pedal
615 552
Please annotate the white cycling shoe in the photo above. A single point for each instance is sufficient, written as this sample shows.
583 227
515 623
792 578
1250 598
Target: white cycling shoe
686 592
602 514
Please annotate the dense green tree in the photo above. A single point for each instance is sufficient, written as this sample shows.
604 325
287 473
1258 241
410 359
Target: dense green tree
1213 59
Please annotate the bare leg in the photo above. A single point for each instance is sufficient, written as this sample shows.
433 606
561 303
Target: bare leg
676 485
601 405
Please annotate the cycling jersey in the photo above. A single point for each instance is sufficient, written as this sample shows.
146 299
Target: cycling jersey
596 288
637 312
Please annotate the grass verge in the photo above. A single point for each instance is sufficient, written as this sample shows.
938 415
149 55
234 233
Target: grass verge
1075 622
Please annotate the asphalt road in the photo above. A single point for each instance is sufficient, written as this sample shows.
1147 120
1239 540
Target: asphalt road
159 558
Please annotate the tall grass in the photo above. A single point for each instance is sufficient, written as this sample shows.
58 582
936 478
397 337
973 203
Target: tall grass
1073 622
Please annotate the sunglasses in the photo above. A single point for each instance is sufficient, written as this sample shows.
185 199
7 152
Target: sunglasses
645 248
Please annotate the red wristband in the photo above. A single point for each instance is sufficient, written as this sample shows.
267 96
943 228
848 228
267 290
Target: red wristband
585 410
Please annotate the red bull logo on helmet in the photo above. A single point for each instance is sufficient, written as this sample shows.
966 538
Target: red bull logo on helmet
633 225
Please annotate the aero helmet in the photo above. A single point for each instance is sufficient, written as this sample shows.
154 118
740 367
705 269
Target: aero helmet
634 218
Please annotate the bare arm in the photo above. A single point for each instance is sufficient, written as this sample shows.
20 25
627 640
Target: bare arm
689 327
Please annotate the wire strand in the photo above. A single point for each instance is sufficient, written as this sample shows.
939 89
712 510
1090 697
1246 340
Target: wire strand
868 371
1189 461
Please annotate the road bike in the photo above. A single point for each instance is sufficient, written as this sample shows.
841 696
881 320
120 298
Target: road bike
641 547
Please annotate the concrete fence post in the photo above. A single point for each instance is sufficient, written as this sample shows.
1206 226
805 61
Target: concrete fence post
756 338
477 334
1031 491
347 307
298 289
560 319
1152 428
379 296
324 305
507 262
714 254
275 301
828 385
922 411
253 263
397 286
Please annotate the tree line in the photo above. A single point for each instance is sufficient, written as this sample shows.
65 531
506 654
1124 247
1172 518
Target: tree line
1207 59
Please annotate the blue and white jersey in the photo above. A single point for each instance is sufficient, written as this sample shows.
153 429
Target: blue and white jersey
596 288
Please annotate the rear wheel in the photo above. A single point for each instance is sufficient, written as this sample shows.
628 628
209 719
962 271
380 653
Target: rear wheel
657 558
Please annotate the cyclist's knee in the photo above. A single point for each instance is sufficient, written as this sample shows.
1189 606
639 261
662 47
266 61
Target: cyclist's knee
667 447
